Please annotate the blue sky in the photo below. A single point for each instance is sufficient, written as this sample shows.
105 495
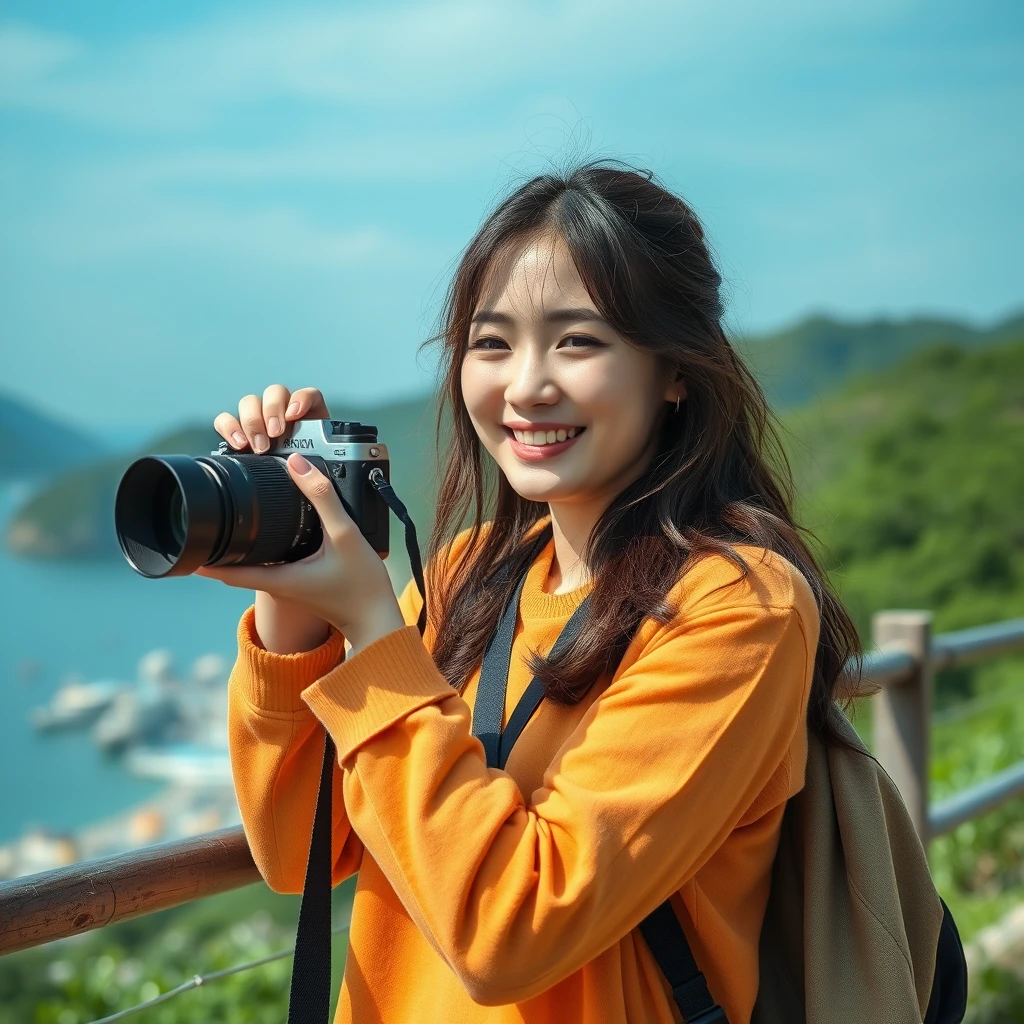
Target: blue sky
200 199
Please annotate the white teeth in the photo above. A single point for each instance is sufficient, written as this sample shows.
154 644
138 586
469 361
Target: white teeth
538 438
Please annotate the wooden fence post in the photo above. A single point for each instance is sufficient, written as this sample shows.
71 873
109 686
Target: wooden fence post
902 714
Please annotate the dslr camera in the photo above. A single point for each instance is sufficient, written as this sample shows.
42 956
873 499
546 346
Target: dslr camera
175 513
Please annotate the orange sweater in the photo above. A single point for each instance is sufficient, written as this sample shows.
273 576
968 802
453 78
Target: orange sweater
500 896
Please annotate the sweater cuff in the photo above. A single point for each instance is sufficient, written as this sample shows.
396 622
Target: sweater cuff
273 682
376 688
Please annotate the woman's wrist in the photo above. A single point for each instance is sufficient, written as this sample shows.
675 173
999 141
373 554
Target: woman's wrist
377 622
285 628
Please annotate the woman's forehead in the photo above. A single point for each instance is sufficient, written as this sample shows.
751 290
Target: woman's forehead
531 278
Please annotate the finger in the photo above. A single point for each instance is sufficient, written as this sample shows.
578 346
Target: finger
275 398
307 403
321 494
250 415
275 579
230 429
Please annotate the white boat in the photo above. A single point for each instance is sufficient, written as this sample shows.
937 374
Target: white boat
181 763
135 717
75 704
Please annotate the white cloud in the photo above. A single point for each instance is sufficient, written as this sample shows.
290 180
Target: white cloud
28 56
411 57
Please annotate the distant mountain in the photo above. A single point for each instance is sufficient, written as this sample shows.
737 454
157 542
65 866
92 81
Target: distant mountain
821 353
73 516
35 444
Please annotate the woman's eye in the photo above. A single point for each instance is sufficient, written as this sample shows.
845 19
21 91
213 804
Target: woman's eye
581 341
487 343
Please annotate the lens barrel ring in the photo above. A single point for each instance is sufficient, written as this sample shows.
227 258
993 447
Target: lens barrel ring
284 514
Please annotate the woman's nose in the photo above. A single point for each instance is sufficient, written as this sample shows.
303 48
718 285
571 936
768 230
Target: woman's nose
530 381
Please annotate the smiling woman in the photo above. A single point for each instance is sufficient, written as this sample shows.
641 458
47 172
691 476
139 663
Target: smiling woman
634 563
546 377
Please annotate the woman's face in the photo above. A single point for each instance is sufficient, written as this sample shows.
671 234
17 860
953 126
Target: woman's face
563 403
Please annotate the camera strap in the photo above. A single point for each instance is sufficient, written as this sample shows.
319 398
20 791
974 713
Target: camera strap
309 995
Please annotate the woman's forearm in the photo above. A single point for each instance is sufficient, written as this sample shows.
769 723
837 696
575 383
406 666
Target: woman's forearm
286 628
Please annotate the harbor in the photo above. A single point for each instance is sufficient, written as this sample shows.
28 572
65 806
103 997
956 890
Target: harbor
163 726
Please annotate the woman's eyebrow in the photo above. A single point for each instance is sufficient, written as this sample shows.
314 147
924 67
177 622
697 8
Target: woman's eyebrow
554 316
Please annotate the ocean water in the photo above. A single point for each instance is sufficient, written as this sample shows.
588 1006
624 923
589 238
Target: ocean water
95 619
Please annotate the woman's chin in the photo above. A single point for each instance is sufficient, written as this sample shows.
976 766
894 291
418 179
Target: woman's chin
527 486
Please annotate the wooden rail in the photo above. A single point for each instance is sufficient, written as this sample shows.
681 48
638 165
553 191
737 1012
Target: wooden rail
899 674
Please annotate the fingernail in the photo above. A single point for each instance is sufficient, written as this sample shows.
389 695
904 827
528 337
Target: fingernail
239 438
293 409
299 464
274 426
260 443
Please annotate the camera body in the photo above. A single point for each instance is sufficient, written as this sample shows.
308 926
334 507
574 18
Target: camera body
175 513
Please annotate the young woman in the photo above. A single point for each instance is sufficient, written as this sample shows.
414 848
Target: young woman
595 401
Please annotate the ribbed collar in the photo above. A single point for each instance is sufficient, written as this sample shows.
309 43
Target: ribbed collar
535 603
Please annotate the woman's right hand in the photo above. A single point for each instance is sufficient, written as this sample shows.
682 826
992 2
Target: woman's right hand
283 627
260 419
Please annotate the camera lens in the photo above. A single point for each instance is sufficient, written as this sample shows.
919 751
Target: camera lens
175 513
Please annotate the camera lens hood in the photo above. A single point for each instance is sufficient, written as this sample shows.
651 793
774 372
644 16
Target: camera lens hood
169 515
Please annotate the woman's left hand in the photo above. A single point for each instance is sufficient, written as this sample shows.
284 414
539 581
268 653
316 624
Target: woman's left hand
345 582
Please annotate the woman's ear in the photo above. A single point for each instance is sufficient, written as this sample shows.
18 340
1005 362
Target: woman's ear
676 390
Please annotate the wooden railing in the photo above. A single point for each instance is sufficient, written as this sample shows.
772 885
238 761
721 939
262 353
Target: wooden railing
899 673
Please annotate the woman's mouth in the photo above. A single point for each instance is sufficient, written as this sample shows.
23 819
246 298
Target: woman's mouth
534 445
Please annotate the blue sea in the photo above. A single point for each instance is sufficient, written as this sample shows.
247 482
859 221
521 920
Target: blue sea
95 619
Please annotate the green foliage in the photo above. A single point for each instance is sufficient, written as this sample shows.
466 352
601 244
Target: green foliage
915 486
997 999
91 976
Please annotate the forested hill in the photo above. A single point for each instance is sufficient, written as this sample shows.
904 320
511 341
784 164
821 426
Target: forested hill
821 353
914 479
35 444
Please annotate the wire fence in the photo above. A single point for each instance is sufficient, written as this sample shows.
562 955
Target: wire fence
201 979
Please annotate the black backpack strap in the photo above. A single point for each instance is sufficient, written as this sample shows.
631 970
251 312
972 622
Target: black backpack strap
661 929
534 693
489 706
667 941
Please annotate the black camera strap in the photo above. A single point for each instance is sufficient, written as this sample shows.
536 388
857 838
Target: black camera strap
309 995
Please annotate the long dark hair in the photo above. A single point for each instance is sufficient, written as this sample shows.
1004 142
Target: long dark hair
719 476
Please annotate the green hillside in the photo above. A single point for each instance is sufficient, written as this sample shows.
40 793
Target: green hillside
914 480
36 445
820 353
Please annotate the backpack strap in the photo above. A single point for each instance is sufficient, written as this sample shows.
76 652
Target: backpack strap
667 941
661 928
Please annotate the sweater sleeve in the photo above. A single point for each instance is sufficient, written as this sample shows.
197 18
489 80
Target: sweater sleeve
276 749
517 894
